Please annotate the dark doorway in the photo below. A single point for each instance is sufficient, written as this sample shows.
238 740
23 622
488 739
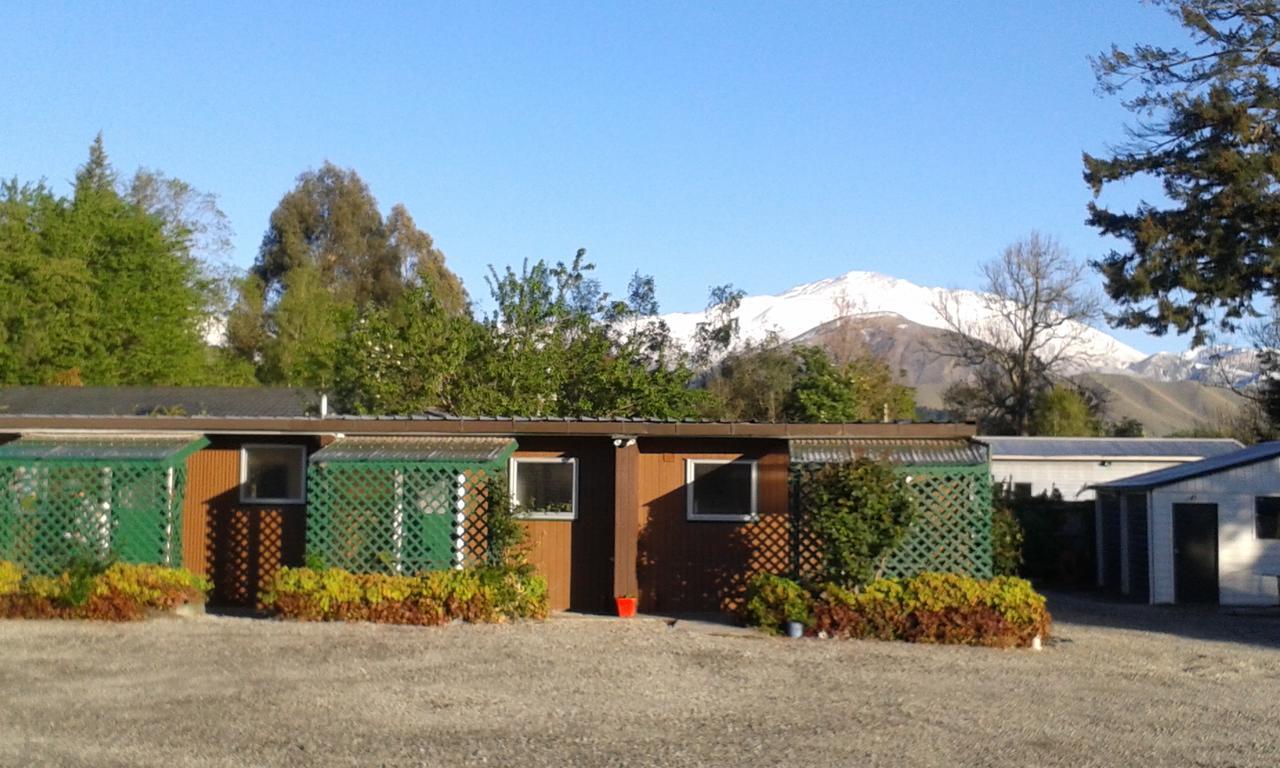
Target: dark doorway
1195 553
1138 557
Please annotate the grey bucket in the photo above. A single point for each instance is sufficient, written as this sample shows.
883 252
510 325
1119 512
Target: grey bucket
795 630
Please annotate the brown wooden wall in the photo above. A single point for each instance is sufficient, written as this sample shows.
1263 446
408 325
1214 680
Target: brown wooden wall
576 557
237 546
704 566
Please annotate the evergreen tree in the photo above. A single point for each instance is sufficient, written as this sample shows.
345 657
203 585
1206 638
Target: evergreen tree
97 289
1208 129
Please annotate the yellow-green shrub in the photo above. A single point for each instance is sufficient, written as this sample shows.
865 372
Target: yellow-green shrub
120 592
10 577
480 594
928 608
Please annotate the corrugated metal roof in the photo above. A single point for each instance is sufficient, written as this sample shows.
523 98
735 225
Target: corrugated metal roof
1115 447
1250 455
159 401
455 449
99 448
917 452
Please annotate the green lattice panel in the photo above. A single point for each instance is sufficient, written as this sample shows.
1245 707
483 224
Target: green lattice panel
52 512
951 531
380 517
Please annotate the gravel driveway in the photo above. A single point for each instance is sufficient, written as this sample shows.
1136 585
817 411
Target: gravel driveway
1124 686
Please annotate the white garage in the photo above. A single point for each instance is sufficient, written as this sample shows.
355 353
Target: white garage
1069 467
1203 532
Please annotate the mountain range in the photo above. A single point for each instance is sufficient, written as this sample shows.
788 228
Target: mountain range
900 323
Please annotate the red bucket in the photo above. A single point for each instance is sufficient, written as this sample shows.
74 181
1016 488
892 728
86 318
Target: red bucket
626 607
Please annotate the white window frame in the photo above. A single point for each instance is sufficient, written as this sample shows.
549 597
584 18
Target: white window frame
750 516
512 471
244 473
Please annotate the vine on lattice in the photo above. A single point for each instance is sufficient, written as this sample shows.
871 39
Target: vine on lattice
951 531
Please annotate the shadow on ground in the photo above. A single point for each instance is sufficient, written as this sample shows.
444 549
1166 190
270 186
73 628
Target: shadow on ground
1248 626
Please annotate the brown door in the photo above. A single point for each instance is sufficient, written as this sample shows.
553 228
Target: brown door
1195 553
574 553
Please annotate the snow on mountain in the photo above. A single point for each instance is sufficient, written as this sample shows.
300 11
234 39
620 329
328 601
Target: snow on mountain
792 313
1216 365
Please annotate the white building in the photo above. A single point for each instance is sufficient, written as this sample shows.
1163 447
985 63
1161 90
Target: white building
1070 466
1207 531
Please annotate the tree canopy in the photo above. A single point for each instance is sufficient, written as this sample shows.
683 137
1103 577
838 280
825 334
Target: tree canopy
100 287
329 255
1207 127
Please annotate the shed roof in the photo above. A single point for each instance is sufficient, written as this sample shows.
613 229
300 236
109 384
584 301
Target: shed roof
158 401
480 450
1109 447
912 452
1251 455
101 448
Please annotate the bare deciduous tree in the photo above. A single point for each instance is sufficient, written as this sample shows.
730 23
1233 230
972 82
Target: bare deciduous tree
1027 327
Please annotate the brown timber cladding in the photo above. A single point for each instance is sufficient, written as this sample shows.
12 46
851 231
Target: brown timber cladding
237 546
576 556
702 565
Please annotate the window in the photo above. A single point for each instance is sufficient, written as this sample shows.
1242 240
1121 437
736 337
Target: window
545 488
1022 490
720 490
273 474
1266 521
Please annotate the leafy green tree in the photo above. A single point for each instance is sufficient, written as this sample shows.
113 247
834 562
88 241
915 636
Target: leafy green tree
861 390
329 255
755 382
46 291
403 358
98 288
1207 127
1063 412
305 328
557 345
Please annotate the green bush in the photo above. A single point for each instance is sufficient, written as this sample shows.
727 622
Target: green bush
773 600
478 594
859 513
928 608
1006 541
118 592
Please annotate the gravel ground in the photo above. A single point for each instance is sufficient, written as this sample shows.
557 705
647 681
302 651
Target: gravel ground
1122 686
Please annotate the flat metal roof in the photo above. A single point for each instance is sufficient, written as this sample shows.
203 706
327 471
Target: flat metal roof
1137 448
1251 455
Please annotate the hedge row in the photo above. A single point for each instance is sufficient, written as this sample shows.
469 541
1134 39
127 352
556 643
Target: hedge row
119 592
478 594
930 608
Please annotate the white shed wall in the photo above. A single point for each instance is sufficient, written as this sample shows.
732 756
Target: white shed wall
1242 556
1069 476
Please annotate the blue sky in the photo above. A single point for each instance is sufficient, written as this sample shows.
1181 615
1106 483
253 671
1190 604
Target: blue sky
761 144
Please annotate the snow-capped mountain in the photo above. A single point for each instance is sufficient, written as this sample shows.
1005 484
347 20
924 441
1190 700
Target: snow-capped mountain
800 310
803 308
1216 366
